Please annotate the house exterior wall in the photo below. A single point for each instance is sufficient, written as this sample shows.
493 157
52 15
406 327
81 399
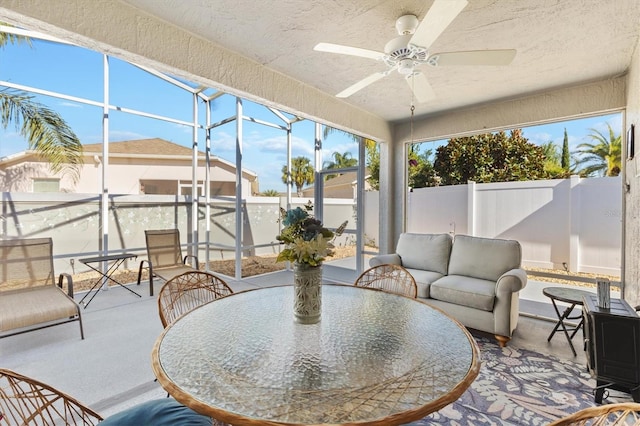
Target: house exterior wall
124 176
631 187
19 177
339 191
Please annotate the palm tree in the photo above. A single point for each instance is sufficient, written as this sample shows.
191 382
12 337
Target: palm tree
369 144
45 130
603 157
270 193
554 160
340 161
301 173
371 147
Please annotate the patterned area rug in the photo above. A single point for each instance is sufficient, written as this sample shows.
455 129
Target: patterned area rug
519 387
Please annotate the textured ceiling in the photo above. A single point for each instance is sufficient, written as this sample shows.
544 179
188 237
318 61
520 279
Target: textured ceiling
559 43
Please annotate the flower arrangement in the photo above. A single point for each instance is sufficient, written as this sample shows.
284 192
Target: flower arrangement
306 240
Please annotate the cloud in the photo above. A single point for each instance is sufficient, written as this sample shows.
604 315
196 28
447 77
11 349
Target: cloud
256 143
223 142
270 178
540 138
615 123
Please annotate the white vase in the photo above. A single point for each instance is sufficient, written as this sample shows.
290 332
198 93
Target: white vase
307 293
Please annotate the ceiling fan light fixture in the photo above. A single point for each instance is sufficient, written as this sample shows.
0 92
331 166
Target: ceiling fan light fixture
405 67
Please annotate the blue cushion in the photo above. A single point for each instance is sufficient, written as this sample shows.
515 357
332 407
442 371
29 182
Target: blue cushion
159 412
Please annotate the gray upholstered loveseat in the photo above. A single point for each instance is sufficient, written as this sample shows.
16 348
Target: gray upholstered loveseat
475 280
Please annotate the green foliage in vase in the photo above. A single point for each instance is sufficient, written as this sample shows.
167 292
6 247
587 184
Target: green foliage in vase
306 240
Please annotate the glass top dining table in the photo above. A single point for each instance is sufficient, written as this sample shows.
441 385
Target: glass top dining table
374 358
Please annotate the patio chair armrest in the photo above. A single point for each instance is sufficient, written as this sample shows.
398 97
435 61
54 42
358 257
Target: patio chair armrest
193 257
69 283
150 268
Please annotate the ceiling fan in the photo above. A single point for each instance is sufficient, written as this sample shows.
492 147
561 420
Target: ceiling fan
407 52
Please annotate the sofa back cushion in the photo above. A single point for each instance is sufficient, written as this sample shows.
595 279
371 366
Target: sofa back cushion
429 252
485 258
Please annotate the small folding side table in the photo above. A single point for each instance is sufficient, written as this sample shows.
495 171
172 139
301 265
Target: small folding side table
113 262
573 297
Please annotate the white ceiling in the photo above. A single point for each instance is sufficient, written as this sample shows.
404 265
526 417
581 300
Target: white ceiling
559 43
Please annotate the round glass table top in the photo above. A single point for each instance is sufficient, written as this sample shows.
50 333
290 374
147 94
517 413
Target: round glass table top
374 358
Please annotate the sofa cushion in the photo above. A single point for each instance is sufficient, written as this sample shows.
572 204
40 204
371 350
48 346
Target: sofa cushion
466 291
159 412
485 258
428 252
424 280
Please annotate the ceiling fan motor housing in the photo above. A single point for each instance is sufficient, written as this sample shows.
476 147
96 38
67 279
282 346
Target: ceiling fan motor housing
406 56
407 24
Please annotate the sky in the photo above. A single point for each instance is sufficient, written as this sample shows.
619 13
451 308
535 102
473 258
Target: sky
78 72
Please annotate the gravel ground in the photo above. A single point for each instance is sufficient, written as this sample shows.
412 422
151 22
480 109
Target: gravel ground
257 265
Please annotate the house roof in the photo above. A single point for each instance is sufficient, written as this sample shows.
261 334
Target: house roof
348 178
343 179
153 147
156 146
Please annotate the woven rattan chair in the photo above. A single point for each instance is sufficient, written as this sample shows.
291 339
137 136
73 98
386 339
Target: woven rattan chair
164 256
187 291
25 401
390 278
621 414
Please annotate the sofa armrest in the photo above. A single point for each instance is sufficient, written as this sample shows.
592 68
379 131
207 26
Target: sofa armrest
511 281
506 309
382 259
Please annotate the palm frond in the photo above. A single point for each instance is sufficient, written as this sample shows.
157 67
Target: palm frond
45 130
8 38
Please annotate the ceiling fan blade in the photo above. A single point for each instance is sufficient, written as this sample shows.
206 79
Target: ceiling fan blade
420 86
472 57
441 14
347 50
361 84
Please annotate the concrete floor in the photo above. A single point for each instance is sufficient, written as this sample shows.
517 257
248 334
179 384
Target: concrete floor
111 368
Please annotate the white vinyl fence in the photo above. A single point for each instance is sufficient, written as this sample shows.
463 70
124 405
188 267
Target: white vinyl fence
573 224
73 222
